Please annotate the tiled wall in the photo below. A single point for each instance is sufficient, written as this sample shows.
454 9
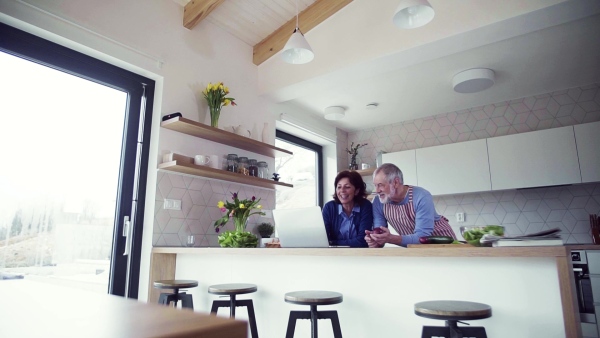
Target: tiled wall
199 198
522 211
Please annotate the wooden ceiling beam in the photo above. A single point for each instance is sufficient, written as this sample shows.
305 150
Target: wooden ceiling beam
196 10
316 13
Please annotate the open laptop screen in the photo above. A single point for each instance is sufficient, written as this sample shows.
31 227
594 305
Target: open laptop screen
300 228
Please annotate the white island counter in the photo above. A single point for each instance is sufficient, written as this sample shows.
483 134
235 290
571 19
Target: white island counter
530 290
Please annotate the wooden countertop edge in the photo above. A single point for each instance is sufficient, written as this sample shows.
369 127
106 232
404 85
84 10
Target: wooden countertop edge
550 251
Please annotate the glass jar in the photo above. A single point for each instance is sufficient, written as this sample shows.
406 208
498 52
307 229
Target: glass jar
242 165
232 162
252 168
263 170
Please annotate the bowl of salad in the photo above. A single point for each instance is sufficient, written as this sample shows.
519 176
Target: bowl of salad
472 234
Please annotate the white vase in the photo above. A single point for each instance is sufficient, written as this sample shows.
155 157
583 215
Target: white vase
266 133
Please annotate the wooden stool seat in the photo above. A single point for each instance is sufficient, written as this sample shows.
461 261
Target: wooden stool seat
232 290
314 298
176 296
453 311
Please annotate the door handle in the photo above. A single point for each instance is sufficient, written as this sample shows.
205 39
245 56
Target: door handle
127 235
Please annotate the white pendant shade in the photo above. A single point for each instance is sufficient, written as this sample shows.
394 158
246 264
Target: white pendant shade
334 113
297 50
413 14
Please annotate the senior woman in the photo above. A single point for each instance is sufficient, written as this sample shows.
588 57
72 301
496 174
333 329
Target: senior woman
350 213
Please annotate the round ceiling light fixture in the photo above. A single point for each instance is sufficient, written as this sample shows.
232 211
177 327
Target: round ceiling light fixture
334 113
473 80
413 14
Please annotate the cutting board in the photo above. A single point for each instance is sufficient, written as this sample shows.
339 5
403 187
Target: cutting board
415 246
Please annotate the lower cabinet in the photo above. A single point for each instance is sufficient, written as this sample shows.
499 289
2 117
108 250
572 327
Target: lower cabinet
535 159
454 168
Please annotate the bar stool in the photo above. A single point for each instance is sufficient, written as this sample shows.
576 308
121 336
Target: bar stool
167 298
232 290
452 311
314 298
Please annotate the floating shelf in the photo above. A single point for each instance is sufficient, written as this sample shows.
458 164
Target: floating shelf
185 165
366 172
204 131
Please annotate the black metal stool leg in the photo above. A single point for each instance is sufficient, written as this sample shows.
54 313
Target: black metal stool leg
314 327
217 304
162 299
474 331
335 321
251 317
294 316
186 301
172 298
232 306
434 331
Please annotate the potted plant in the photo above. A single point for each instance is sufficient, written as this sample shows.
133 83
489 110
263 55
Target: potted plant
265 229
239 211
216 97
353 151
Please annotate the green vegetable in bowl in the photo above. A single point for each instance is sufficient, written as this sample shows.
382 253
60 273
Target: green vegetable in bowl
473 236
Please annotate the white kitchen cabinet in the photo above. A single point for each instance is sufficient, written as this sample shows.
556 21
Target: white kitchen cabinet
587 137
534 159
406 161
454 168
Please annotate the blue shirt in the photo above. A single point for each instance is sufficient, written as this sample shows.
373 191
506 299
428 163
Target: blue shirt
348 230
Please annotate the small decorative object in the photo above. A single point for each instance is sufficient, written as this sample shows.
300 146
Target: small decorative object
241 130
215 95
265 229
170 116
239 211
276 177
353 151
265 133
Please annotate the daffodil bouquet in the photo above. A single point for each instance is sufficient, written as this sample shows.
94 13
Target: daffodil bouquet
216 97
239 211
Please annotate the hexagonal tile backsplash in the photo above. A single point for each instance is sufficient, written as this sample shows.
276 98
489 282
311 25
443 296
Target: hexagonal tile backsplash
199 210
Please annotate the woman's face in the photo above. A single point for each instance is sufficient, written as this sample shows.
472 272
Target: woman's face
345 191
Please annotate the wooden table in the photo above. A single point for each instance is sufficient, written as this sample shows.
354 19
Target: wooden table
36 309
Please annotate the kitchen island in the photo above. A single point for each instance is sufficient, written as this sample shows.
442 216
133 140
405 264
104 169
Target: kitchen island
530 289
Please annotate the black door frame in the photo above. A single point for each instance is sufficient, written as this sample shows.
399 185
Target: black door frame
136 140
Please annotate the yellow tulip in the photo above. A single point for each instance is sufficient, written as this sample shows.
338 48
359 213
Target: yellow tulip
226 90
227 102
242 206
208 87
259 206
215 86
221 204
221 86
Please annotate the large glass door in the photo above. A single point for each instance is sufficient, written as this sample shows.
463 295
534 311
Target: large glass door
73 177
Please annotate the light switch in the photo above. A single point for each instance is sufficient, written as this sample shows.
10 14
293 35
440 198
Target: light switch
172 204
460 217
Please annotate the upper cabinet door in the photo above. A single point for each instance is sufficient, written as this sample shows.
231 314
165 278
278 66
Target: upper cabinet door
405 160
454 168
588 148
534 159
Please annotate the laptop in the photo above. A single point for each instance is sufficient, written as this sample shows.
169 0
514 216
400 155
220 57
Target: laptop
301 228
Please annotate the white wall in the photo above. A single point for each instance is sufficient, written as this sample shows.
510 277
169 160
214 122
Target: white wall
148 38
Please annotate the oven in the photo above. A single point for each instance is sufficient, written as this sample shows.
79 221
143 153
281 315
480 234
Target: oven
584 291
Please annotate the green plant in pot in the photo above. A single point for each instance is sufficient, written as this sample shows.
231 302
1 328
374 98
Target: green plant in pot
265 230
239 211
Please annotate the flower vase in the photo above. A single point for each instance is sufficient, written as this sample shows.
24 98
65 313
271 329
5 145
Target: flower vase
240 224
353 165
215 112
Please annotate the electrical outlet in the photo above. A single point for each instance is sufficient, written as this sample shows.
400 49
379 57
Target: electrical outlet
172 204
460 217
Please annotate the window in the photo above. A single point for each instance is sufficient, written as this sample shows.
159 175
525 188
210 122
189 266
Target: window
304 170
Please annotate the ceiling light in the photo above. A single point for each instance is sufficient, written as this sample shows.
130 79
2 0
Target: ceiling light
334 113
372 106
297 50
413 14
473 80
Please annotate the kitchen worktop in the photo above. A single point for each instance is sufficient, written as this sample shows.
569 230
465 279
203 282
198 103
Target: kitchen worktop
466 251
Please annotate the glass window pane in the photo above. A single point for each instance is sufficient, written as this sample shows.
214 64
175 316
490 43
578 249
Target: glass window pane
299 170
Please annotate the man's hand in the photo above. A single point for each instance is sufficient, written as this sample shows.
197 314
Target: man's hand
376 240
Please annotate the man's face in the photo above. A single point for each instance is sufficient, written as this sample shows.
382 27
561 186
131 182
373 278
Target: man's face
387 191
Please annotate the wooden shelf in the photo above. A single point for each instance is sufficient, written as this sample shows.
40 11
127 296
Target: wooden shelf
185 165
366 172
204 131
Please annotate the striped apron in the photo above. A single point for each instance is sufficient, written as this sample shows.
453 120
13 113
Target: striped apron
402 218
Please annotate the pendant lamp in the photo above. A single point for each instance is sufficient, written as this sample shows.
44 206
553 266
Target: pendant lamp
413 14
297 50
